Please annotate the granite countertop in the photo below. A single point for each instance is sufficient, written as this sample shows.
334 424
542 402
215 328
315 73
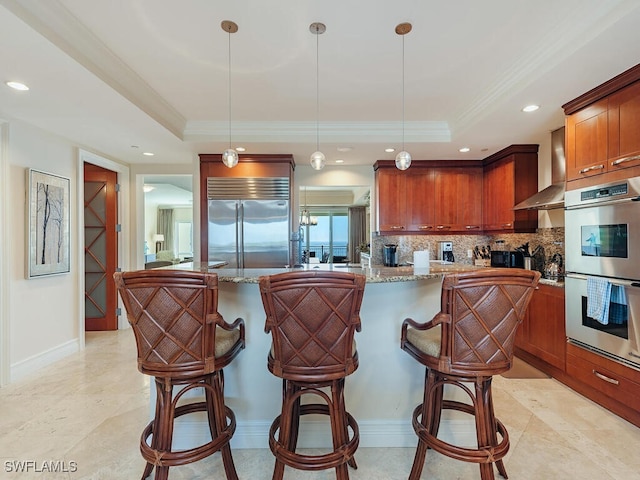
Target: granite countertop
552 283
375 274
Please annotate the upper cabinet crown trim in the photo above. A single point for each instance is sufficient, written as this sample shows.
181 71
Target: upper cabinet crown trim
607 88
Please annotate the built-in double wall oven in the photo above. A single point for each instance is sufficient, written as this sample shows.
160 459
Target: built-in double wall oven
602 280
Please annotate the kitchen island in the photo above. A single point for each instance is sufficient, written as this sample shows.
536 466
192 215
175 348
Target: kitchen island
381 394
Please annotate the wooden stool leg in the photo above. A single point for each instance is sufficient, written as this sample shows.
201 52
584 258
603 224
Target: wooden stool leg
483 424
290 408
339 430
165 417
494 431
218 420
429 419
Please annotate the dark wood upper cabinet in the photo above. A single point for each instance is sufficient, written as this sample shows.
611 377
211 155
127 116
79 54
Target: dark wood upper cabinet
602 133
510 176
430 197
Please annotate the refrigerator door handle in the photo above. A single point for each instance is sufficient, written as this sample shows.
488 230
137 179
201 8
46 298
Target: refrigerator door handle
238 224
240 246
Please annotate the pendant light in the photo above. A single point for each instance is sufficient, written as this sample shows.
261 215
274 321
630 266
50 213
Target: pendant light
403 159
317 157
305 216
229 156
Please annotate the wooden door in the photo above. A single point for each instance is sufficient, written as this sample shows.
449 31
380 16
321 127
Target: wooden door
445 191
419 199
100 248
498 195
586 148
624 134
391 200
468 198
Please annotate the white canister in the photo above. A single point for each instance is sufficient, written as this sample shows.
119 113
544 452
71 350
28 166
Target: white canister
421 260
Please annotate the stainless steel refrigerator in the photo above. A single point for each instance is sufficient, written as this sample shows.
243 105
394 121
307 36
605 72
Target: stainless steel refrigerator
249 221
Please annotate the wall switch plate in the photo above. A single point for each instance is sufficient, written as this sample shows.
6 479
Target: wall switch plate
469 253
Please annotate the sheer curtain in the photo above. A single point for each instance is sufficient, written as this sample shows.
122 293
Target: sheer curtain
357 231
165 227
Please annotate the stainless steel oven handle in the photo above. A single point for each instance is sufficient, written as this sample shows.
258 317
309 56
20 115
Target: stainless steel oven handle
605 378
617 281
593 204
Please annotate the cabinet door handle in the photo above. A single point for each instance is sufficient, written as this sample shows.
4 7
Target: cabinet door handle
605 378
507 225
594 167
396 227
623 160
472 227
443 227
425 227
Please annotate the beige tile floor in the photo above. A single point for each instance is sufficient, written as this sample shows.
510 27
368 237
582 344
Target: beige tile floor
90 409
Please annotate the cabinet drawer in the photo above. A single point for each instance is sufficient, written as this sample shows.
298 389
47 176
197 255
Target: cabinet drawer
610 378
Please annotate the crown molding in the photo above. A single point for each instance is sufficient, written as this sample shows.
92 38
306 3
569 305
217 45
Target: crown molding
54 22
303 132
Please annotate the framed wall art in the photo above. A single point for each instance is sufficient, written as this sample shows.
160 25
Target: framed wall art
47 224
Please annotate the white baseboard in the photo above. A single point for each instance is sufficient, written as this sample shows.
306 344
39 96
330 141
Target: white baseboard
34 364
316 434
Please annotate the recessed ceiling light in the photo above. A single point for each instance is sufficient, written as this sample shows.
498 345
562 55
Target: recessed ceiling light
389 150
464 149
339 161
18 86
148 154
531 108
345 149
240 149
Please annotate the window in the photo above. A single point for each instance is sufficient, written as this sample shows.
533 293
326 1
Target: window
328 239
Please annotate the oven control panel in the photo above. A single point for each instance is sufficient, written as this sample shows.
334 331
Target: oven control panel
608 192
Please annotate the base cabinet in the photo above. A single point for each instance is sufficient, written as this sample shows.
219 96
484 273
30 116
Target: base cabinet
607 382
541 341
542 332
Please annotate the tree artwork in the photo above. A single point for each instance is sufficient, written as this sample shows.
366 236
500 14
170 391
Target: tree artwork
49 219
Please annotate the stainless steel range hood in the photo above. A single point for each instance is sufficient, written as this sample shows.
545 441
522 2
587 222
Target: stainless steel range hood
547 199
552 196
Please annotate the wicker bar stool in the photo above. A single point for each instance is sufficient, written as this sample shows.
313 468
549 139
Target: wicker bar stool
467 342
182 342
312 317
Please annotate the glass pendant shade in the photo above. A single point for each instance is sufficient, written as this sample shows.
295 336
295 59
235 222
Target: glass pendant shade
317 160
230 157
403 160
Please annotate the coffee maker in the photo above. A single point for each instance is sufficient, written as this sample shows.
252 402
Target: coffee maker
445 252
390 255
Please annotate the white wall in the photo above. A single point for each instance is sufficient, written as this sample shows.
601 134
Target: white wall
43 315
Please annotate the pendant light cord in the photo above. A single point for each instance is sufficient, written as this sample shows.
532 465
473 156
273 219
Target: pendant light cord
317 90
403 93
229 88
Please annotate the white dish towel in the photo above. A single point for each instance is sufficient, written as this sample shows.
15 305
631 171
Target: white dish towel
598 299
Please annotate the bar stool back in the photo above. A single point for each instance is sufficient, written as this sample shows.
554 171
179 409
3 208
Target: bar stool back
468 341
312 317
182 341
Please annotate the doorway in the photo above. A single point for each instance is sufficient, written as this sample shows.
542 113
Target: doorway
100 248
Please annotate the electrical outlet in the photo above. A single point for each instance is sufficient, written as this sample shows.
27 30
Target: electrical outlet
469 254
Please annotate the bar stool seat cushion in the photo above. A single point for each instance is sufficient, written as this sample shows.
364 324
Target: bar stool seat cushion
427 341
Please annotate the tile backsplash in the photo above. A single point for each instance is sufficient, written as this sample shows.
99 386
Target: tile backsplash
551 240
